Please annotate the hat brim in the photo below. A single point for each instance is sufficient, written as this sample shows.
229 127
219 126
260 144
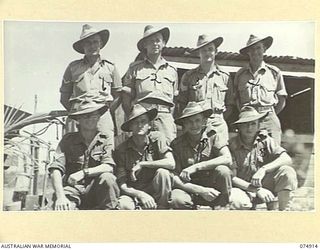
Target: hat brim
250 119
267 41
101 108
217 42
207 113
104 34
152 113
165 33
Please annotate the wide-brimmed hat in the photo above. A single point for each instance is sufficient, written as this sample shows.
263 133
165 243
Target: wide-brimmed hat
156 97
138 110
267 41
88 31
193 108
249 114
204 40
87 103
149 30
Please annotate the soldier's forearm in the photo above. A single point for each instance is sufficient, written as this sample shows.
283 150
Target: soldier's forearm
187 187
282 160
57 183
100 169
242 184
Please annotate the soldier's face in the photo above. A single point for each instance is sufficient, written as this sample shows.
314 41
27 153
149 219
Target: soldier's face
208 53
140 125
249 129
92 45
256 52
194 124
89 121
154 44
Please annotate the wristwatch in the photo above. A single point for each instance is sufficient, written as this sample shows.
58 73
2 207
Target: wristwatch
85 172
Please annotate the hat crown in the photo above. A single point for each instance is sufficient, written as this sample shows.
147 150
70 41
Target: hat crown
136 111
192 107
252 39
149 29
249 112
202 39
87 30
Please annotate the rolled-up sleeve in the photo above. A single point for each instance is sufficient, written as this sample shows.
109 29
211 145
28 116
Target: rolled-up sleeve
281 88
59 161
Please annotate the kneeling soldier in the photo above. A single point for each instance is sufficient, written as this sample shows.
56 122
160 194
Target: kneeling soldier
82 170
260 165
202 160
143 163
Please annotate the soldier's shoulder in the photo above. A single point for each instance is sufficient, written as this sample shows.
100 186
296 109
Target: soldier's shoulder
76 62
136 63
171 66
272 67
69 138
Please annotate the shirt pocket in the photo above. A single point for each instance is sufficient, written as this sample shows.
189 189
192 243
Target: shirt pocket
104 82
143 82
267 94
168 84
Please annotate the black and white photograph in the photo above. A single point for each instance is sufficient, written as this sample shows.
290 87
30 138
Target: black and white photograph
159 116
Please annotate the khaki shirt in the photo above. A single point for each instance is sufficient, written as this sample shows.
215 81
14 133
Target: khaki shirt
127 156
260 89
188 152
213 89
143 77
80 78
72 154
246 161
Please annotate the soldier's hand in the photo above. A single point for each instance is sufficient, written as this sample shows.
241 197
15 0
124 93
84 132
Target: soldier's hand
265 195
147 201
75 178
135 171
209 194
62 204
185 175
257 177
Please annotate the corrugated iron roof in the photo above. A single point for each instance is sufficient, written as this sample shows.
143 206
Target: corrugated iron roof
223 55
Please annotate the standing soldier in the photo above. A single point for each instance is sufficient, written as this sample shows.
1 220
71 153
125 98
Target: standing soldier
152 74
261 85
208 84
91 74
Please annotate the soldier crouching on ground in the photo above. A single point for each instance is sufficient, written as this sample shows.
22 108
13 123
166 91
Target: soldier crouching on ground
143 163
261 167
82 170
202 160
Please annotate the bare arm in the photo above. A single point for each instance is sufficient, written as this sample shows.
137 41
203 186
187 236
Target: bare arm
281 104
167 162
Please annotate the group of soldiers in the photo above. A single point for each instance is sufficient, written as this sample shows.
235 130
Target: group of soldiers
154 168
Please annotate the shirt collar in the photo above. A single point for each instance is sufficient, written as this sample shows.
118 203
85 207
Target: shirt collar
216 70
262 67
163 62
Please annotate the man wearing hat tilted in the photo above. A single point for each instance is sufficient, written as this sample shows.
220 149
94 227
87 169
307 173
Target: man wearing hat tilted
91 74
261 85
143 163
202 159
261 166
82 169
208 84
151 74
